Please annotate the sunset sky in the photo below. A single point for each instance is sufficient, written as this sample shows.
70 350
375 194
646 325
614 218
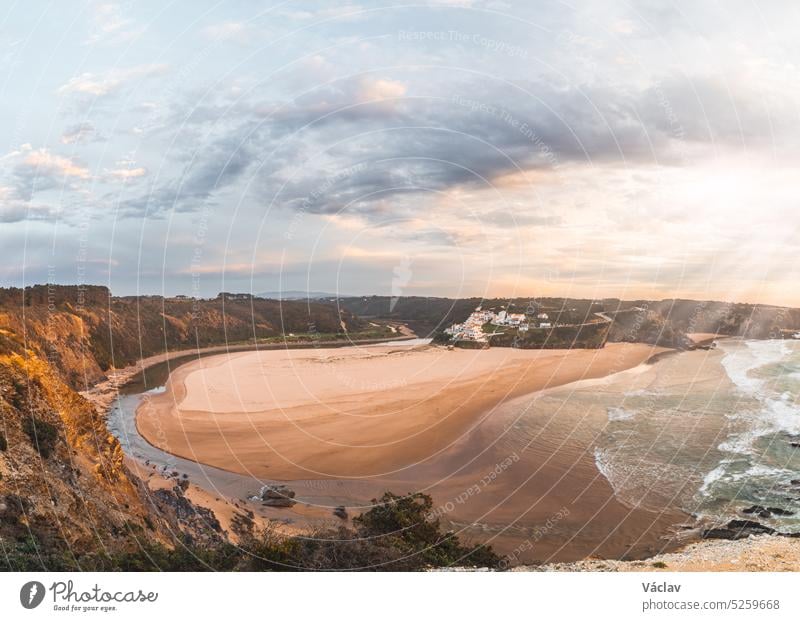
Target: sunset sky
455 148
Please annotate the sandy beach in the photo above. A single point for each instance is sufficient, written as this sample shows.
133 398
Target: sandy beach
492 435
355 412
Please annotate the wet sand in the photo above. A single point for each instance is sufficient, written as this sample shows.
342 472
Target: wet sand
351 413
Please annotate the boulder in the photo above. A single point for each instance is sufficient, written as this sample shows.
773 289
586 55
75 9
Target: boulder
340 512
766 512
276 491
278 502
277 496
757 510
779 511
737 529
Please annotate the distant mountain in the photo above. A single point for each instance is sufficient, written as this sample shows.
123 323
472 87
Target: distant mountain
300 295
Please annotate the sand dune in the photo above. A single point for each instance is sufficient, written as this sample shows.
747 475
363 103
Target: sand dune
354 412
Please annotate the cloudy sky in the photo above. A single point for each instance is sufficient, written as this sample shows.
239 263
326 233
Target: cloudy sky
633 149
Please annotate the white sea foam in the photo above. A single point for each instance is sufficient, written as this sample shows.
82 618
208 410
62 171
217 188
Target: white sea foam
641 392
762 471
740 443
618 414
603 463
774 413
741 360
712 477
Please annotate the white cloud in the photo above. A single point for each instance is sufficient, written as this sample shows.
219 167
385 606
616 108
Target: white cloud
229 31
110 25
100 85
43 162
126 174
379 90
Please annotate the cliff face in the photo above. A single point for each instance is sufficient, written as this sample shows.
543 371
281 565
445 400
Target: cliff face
63 486
84 331
66 497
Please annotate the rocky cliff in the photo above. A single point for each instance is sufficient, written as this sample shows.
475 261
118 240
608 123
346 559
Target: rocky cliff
63 487
85 331
67 499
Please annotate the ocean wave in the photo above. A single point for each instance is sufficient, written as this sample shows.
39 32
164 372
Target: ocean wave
641 392
733 456
617 414
740 444
770 413
602 461
763 471
713 476
739 361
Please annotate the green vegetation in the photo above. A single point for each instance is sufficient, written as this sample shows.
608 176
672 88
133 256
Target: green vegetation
427 316
43 435
378 332
490 328
588 336
660 565
396 534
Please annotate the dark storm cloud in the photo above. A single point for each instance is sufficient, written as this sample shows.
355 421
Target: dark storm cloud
210 163
337 148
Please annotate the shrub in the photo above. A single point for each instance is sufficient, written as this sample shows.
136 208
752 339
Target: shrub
394 535
405 524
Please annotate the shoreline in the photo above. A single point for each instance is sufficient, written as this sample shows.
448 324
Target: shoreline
191 427
688 550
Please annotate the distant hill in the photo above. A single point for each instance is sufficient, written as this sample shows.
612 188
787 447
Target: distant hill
427 315
299 295
661 322
85 331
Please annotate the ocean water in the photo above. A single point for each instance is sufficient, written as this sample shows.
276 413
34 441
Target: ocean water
710 434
